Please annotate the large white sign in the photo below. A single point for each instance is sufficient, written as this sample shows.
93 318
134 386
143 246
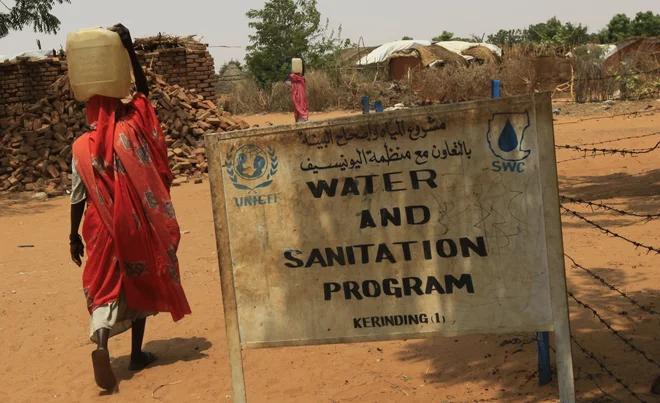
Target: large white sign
437 221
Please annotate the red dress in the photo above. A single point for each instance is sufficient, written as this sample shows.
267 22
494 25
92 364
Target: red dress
300 108
130 226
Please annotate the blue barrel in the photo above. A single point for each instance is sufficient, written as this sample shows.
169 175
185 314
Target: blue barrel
378 106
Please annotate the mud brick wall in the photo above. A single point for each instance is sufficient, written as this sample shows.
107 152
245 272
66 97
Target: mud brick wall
191 69
27 80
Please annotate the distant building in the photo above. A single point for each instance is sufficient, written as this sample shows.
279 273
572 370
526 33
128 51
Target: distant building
402 57
630 50
229 78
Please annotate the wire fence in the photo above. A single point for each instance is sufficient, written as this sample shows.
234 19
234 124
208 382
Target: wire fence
626 114
612 287
601 206
609 232
609 151
614 331
604 368
588 150
641 136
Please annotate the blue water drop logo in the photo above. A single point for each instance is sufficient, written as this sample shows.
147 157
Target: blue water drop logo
508 140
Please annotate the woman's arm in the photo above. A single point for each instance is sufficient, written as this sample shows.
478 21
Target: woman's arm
76 246
140 78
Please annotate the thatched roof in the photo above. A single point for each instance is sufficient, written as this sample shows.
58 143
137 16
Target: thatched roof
232 72
229 78
352 55
483 54
164 41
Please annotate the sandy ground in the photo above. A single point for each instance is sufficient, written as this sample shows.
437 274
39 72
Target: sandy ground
45 352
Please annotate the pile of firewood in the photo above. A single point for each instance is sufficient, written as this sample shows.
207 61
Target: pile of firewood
185 117
36 140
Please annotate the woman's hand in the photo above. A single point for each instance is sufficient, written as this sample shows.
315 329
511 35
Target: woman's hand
77 249
124 35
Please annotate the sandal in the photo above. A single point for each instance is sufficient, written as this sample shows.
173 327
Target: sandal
147 359
103 374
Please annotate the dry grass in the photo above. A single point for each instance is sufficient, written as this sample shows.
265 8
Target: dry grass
459 84
343 86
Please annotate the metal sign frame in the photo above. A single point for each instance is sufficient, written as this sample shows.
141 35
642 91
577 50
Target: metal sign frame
551 214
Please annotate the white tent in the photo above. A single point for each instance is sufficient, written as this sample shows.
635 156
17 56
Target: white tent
32 54
383 52
460 46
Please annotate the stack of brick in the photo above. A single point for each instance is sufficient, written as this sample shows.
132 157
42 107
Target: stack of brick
191 69
36 139
187 64
27 80
182 61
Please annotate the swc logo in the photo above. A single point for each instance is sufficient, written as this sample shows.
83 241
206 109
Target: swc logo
506 134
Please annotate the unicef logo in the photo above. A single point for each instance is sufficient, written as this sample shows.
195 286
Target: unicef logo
251 168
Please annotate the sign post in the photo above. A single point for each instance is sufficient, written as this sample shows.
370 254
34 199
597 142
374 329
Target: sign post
438 221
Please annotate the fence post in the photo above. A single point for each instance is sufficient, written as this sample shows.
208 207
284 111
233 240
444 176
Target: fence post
542 338
365 104
495 89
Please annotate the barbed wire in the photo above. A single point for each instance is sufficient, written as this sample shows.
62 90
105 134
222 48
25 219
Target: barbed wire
609 117
601 206
614 331
620 381
592 378
609 151
629 74
572 159
609 232
619 139
611 287
578 80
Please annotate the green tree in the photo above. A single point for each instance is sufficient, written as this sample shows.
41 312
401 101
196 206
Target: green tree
407 38
645 24
444 36
509 37
622 27
285 29
29 12
554 33
618 29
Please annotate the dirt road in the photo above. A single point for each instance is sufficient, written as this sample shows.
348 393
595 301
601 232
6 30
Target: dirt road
45 352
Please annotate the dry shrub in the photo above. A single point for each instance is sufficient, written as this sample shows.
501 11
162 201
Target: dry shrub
248 97
639 77
454 84
353 84
321 94
517 76
280 98
459 84
591 81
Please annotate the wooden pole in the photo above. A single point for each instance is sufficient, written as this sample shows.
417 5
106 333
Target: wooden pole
555 253
214 156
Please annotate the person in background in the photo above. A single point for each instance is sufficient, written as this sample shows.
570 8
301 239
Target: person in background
297 84
121 173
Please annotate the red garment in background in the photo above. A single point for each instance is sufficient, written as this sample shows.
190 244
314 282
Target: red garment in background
300 108
130 227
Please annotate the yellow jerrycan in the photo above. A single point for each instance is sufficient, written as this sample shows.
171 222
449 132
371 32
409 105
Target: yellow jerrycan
98 64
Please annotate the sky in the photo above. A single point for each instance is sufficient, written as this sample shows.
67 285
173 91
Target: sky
224 23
